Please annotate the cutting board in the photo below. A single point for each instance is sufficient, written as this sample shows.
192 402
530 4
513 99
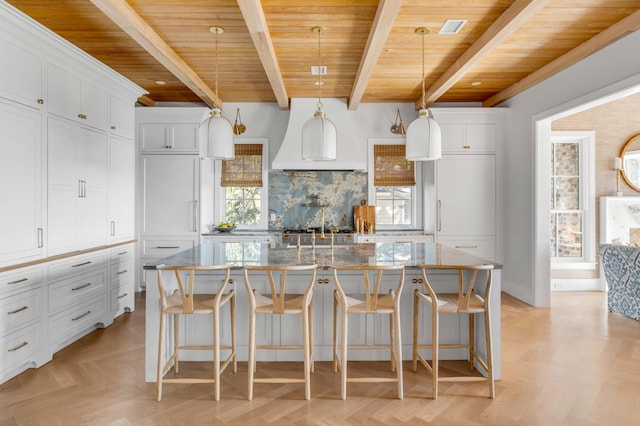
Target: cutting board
368 213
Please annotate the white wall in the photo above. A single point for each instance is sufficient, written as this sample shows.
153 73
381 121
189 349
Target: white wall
614 69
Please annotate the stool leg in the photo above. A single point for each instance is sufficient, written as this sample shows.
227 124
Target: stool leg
216 352
416 308
307 353
176 338
392 344
487 325
160 356
472 341
310 316
252 352
398 352
343 355
434 350
335 332
232 312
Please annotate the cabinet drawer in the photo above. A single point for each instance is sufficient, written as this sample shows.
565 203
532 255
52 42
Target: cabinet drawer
20 347
77 319
71 291
122 297
481 247
123 253
20 279
122 272
77 264
20 309
163 248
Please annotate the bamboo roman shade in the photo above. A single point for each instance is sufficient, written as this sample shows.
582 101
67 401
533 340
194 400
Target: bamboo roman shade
245 169
391 168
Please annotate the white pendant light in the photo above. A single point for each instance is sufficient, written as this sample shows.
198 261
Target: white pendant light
423 137
319 133
217 130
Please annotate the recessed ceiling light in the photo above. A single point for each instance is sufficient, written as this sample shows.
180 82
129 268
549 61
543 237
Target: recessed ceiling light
452 26
161 82
318 83
476 83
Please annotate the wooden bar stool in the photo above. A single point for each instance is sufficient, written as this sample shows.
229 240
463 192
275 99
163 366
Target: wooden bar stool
184 301
465 302
281 302
368 300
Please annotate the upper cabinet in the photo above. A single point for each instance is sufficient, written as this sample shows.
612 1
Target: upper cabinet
122 117
72 97
22 81
468 138
170 130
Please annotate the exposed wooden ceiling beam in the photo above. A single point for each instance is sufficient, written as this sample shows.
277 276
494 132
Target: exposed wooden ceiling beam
380 29
253 16
627 25
128 19
146 101
512 18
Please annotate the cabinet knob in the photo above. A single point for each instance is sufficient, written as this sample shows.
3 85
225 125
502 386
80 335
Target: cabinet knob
420 280
40 101
113 127
467 147
231 281
168 146
414 281
319 281
326 280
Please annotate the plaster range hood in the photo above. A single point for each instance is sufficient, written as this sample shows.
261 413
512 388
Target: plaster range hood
348 157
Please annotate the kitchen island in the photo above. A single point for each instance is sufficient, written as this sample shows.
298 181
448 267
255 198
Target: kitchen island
286 330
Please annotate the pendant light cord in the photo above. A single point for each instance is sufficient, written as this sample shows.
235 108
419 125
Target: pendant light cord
216 79
319 69
423 105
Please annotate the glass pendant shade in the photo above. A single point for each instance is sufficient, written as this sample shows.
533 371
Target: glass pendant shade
423 138
219 137
319 138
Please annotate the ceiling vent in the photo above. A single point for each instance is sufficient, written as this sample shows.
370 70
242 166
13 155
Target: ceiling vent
452 26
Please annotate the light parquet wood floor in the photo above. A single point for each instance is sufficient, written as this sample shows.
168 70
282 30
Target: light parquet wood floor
573 364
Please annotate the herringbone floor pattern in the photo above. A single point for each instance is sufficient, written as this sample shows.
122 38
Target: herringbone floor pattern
573 364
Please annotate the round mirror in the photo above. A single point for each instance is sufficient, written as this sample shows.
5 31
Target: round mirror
631 162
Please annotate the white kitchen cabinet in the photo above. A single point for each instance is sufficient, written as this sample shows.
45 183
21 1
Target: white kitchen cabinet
77 99
398 237
466 191
122 117
22 81
77 181
21 328
169 130
170 194
21 188
468 137
122 279
121 198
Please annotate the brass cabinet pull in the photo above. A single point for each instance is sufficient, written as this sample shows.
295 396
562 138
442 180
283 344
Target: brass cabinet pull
113 228
24 308
124 295
20 346
21 280
414 281
439 215
40 101
81 316
40 237
122 252
467 147
467 246
231 281
326 281
113 127
319 281
81 264
81 287
167 247
122 272
195 215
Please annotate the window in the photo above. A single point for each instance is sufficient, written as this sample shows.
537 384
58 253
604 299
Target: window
571 198
392 185
242 195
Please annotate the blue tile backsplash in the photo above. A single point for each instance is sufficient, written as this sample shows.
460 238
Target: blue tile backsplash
295 198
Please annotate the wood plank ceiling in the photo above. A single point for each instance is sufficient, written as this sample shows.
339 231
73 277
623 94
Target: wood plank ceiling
370 47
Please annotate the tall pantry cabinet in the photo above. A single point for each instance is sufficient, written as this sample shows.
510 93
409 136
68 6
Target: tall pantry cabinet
468 184
168 181
67 180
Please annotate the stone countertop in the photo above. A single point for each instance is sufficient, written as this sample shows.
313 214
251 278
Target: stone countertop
239 254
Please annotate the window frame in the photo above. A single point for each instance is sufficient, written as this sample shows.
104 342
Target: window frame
219 198
416 190
586 174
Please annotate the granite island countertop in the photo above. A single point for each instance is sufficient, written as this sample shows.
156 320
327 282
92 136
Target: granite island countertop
239 254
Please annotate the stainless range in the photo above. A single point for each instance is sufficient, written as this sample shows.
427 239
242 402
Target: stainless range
315 236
